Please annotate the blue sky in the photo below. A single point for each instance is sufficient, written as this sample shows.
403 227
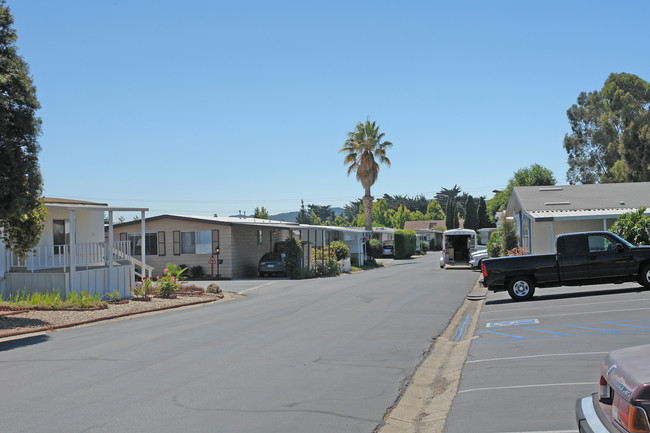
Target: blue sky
203 107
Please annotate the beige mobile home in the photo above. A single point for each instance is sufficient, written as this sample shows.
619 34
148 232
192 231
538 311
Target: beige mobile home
543 212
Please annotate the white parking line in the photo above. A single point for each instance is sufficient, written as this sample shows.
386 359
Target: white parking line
256 287
544 431
541 385
555 307
536 356
573 313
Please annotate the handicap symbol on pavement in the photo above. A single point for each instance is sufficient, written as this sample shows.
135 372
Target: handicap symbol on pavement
512 323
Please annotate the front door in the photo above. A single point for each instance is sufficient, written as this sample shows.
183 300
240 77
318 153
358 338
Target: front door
61 235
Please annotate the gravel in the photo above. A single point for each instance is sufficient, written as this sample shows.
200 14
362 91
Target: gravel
23 322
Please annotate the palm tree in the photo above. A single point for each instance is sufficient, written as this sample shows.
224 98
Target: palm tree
363 145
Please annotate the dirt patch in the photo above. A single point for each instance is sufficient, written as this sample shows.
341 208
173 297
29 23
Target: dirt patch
27 321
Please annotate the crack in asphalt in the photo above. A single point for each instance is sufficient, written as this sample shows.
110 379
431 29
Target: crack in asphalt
320 360
224 410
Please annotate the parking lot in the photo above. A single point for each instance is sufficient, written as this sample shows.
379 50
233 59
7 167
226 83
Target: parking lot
530 361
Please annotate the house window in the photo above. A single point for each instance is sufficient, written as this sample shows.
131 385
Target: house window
525 233
151 244
199 242
188 243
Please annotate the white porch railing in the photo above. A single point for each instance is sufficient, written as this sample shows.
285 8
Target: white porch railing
58 256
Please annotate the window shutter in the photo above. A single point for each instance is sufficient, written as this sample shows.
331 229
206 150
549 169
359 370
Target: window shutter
123 237
162 246
177 242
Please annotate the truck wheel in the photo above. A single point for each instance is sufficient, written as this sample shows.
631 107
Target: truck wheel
521 288
644 275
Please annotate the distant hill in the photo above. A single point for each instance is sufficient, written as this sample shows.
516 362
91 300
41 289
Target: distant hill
290 217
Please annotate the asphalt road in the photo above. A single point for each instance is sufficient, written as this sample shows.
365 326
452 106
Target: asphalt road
326 355
530 361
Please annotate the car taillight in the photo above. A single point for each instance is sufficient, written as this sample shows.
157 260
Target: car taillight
632 418
483 270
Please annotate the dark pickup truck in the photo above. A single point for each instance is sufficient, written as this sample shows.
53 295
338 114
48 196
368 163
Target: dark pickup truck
582 259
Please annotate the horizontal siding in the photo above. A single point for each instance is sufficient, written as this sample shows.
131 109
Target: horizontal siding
247 252
169 225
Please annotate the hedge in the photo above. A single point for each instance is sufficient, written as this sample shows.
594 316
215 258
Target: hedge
405 243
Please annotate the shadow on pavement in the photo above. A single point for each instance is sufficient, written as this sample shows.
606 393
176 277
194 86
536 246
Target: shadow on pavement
586 294
22 342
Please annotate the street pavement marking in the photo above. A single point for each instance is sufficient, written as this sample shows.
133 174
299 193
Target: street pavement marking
544 431
256 287
535 356
574 313
569 330
512 323
567 305
541 385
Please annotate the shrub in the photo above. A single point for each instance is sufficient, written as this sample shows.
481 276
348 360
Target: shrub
326 267
292 258
634 227
196 271
341 250
405 243
495 245
509 235
374 248
424 247
504 240
167 285
175 271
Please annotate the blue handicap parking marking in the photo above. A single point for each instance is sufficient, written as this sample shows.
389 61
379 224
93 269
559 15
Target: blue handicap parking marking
559 331
512 323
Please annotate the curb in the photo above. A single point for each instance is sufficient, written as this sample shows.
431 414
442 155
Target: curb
425 403
478 292
101 319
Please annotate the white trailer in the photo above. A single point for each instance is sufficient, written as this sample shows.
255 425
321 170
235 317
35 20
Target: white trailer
457 245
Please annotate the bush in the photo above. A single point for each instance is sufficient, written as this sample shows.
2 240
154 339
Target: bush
196 271
424 247
374 248
341 250
327 267
504 240
405 243
175 271
634 227
167 285
292 258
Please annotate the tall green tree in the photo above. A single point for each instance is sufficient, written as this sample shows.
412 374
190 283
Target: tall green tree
22 211
434 211
451 215
379 209
325 213
446 194
535 175
351 210
483 220
596 147
363 148
471 214
303 216
261 213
